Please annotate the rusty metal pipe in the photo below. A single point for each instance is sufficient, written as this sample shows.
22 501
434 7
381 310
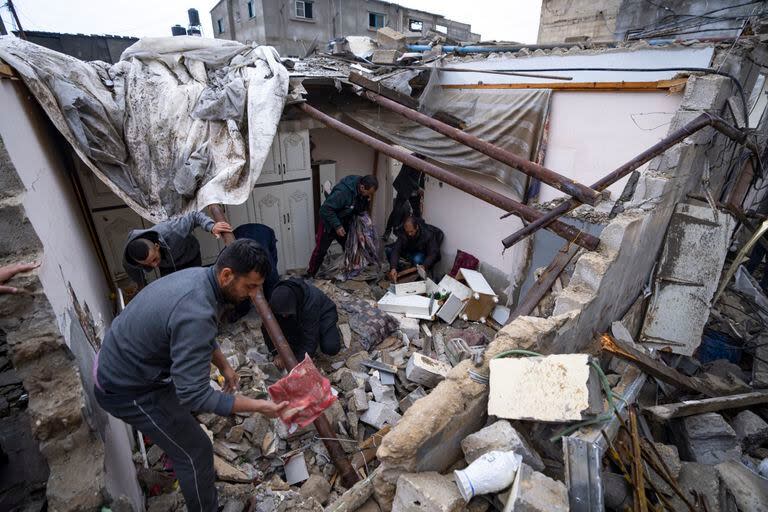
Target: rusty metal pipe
548 176
338 456
702 121
490 196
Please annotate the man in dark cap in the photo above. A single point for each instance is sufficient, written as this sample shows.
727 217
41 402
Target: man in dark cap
307 317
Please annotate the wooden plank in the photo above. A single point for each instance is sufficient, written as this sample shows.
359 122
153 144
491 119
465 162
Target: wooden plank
403 99
672 85
6 71
691 407
655 368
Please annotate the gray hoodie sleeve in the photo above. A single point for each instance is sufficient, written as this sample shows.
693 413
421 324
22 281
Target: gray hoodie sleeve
192 333
185 224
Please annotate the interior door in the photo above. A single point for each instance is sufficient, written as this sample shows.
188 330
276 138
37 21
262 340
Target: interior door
268 209
294 151
298 233
113 227
271 172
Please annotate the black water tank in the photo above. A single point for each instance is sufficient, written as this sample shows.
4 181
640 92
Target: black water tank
194 31
178 30
194 17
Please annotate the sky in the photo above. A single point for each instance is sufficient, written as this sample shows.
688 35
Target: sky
510 20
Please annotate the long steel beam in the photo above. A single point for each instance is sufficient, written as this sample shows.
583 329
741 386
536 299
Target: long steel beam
486 194
335 450
704 120
548 176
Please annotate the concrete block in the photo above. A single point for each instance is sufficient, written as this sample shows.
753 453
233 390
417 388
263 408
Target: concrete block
648 189
409 326
671 458
390 38
503 437
296 469
377 415
457 350
700 478
535 492
345 379
425 370
708 439
428 492
556 388
705 92
359 398
316 487
382 393
411 398
750 428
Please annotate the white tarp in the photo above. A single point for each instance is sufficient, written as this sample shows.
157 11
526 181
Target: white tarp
178 124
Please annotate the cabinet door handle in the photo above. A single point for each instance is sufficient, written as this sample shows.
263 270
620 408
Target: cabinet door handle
289 217
284 221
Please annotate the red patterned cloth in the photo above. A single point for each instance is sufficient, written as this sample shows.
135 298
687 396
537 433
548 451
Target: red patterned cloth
463 260
307 392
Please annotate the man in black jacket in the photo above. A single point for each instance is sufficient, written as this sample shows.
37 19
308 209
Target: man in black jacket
351 196
409 186
307 317
418 243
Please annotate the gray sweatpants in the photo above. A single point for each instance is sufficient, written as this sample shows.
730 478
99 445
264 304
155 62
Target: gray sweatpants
172 427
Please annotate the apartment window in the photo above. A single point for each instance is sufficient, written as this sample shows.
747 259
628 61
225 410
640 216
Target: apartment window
441 28
304 9
220 25
375 20
250 10
415 25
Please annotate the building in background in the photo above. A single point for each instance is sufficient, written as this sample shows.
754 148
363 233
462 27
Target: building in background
294 27
107 48
619 20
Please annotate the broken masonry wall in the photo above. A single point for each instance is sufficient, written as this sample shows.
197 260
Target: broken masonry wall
604 286
63 314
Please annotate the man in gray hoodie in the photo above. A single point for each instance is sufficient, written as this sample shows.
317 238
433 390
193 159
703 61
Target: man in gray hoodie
153 369
169 246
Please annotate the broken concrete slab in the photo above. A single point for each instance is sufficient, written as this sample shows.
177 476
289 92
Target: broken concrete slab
689 270
556 388
751 429
316 486
408 326
390 38
345 379
425 371
708 439
383 394
500 436
747 489
428 492
226 472
378 415
411 398
346 334
457 350
535 492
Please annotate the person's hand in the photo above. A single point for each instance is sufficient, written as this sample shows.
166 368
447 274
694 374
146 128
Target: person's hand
231 380
7 272
279 362
341 231
393 275
219 228
272 409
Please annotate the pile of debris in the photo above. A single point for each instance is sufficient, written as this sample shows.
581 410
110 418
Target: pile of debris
376 377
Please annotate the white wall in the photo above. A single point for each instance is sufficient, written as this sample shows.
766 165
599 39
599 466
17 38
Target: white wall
69 258
592 133
52 207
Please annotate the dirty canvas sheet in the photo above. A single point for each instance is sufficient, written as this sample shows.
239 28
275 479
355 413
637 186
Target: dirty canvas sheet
178 124
512 119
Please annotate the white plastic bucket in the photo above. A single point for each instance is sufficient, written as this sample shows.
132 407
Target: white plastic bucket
492 472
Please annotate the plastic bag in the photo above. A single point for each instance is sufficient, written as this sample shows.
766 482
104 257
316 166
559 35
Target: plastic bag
307 392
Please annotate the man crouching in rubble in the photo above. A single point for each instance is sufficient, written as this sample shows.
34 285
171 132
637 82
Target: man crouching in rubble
153 369
169 246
